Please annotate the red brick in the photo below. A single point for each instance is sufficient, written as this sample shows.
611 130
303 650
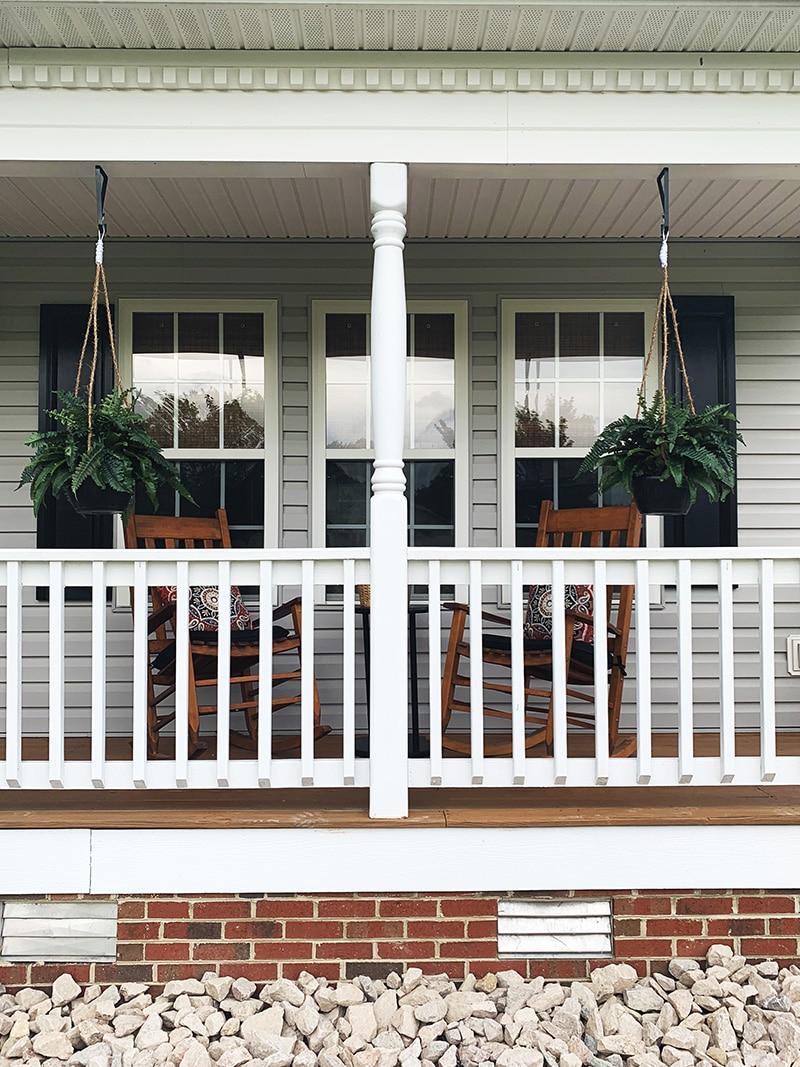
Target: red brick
139 931
168 909
473 950
482 928
438 929
283 950
407 950
130 952
331 971
768 947
222 909
261 971
221 950
114 973
254 929
696 947
748 927
783 926
270 908
13 974
642 906
361 908
166 950
131 909
344 950
673 927
380 929
628 927
704 905
468 907
315 928
646 946
559 969
44 974
170 972
408 907
749 905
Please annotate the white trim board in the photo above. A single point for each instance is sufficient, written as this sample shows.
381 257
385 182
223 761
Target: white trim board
411 859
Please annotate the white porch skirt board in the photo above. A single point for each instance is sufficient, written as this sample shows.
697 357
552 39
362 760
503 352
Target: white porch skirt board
414 860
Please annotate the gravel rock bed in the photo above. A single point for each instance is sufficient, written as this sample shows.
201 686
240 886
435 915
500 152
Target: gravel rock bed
728 1013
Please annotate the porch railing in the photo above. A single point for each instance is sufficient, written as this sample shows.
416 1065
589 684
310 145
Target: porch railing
706 659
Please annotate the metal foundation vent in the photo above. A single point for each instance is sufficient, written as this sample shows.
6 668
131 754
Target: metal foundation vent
543 929
56 931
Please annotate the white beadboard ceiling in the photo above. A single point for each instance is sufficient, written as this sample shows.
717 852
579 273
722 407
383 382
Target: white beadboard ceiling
452 25
284 201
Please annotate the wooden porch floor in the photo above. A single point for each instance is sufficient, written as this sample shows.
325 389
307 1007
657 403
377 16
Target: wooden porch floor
345 808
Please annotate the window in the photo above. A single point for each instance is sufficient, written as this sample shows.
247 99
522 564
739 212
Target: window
435 424
568 369
209 388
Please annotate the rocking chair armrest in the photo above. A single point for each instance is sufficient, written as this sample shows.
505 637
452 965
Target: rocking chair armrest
286 609
487 616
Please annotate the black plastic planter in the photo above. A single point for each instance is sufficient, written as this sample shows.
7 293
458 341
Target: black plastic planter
92 500
654 497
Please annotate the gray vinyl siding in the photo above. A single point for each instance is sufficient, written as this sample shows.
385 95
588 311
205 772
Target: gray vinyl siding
763 277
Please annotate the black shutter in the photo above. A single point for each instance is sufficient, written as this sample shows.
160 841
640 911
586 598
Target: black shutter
61 331
706 325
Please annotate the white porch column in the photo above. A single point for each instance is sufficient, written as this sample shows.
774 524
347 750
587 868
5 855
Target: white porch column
389 508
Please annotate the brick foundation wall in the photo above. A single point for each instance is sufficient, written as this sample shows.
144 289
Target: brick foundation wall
337 936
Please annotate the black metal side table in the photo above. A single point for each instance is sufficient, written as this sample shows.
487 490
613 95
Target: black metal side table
417 748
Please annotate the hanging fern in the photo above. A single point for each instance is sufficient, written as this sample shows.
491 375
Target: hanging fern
122 455
668 441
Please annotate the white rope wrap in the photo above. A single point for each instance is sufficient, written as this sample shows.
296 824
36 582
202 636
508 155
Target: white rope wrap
98 251
662 254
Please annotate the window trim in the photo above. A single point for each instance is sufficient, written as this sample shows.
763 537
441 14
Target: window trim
271 454
506 446
460 454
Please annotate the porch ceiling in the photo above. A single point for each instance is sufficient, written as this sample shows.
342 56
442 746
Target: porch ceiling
332 201
459 25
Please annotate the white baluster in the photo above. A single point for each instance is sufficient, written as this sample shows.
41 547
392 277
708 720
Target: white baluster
265 668
767 625
476 696
435 668
601 756
223 673
727 705
348 671
56 675
517 676
141 669
307 679
389 510
644 740
182 676
13 673
685 697
559 676
98 674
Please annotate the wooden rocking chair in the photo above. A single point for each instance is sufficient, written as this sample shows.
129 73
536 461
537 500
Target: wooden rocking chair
609 527
168 532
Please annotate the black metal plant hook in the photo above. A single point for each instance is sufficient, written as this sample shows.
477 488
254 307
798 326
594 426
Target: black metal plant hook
100 185
663 192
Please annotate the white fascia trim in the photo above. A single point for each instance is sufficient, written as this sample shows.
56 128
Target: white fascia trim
335 71
397 860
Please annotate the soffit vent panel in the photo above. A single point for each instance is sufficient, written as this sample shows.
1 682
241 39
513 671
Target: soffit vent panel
57 931
548 929
559 27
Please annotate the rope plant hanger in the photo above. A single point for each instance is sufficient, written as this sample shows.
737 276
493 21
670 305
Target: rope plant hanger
101 184
665 316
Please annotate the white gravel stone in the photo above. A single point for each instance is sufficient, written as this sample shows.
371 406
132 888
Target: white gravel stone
52 1044
65 990
363 1022
613 978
